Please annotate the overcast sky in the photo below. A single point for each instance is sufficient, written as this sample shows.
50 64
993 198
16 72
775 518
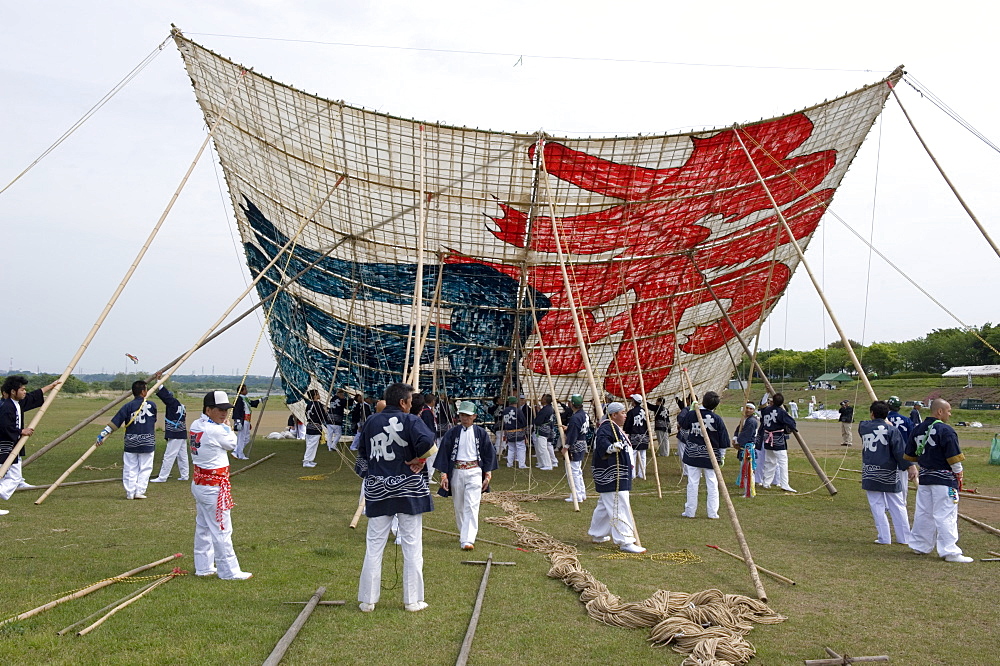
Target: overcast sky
73 224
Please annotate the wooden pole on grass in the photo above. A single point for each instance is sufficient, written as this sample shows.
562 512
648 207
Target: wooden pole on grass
724 491
470 633
286 641
127 602
91 588
980 525
90 617
761 569
253 464
71 483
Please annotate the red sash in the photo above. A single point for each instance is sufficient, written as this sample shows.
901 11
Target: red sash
217 477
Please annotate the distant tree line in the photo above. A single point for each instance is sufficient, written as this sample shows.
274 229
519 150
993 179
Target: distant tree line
123 382
934 353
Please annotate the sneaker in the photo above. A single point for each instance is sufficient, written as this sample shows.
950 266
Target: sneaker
468 546
603 539
240 575
158 480
398 541
183 478
713 517
210 572
139 496
366 608
129 496
958 558
919 552
4 512
308 464
788 489
417 606
686 515
881 543
765 486
631 548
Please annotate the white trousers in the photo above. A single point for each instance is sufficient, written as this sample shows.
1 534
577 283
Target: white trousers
242 439
213 545
640 463
543 452
935 522
694 475
11 480
466 491
312 444
136 468
333 433
775 468
612 516
663 443
300 432
896 506
515 451
176 451
411 535
576 469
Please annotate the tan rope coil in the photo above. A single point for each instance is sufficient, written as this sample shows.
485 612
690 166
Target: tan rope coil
707 626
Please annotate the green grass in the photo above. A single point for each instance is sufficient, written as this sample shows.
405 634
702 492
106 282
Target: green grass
851 595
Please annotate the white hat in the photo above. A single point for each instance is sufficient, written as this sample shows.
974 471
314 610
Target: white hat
614 408
466 407
217 399
636 397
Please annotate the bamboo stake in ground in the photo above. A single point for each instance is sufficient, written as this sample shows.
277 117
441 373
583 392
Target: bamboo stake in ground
470 633
761 569
253 464
90 588
357 514
980 525
286 641
724 492
149 588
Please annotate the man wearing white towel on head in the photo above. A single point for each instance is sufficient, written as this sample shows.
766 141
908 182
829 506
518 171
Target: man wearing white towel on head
612 519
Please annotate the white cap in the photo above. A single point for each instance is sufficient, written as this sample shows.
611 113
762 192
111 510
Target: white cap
614 408
636 397
217 399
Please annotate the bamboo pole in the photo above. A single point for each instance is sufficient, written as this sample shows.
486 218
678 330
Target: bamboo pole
263 406
470 633
988 498
724 492
802 257
114 297
320 603
159 382
940 169
981 525
286 641
416 314
767 382
71 483
253 464
993 553
495 543
761 569
128 602
90 617
357 514
90 588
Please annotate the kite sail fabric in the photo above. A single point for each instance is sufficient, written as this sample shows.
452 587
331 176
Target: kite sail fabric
646 228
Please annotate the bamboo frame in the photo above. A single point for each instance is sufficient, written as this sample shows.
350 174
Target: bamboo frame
724 492
90 588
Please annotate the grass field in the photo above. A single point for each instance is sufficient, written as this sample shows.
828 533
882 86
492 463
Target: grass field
852 595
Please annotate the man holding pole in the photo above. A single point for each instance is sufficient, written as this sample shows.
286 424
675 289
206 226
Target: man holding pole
515 426
696 456
316 420
138 416
175 432
393 447
612 519
15 402
466 461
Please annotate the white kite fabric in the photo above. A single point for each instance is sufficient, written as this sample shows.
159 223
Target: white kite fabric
648 228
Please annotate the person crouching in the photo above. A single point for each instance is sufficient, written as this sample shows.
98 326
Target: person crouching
613 481
210 440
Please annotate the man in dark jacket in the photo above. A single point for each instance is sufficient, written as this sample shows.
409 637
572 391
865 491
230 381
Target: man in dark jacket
612 470
696 455
15 402
881 456
846 419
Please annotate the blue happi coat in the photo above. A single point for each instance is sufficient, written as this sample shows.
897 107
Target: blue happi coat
881 456
386 442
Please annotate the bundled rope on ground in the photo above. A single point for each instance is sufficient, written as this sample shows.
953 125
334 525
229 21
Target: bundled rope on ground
707 626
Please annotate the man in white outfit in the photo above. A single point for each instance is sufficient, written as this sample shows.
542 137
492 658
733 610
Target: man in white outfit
210 440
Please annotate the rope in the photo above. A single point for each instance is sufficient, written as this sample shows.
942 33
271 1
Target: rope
923 91
709 626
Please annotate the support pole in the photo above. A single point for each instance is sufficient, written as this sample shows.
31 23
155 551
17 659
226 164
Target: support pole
767 382
71 483
286 641
802 257
260 417
724 492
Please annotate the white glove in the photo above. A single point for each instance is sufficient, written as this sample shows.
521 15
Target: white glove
104 434
615 447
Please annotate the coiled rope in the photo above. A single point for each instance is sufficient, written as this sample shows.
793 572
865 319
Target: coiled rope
707 626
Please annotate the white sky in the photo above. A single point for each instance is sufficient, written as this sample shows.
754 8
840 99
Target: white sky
73 224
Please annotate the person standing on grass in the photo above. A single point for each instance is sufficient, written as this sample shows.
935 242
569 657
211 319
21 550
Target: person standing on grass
210 440
793 409
316 420
661 426
393 447
466 461
15 402
772 438
846 419
905 427
915 415
138 416
638 432
544 435
933 445
746 452
612 469
881 456
515 426
429 415
241 421
176 434
575 439
696 455
335 424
